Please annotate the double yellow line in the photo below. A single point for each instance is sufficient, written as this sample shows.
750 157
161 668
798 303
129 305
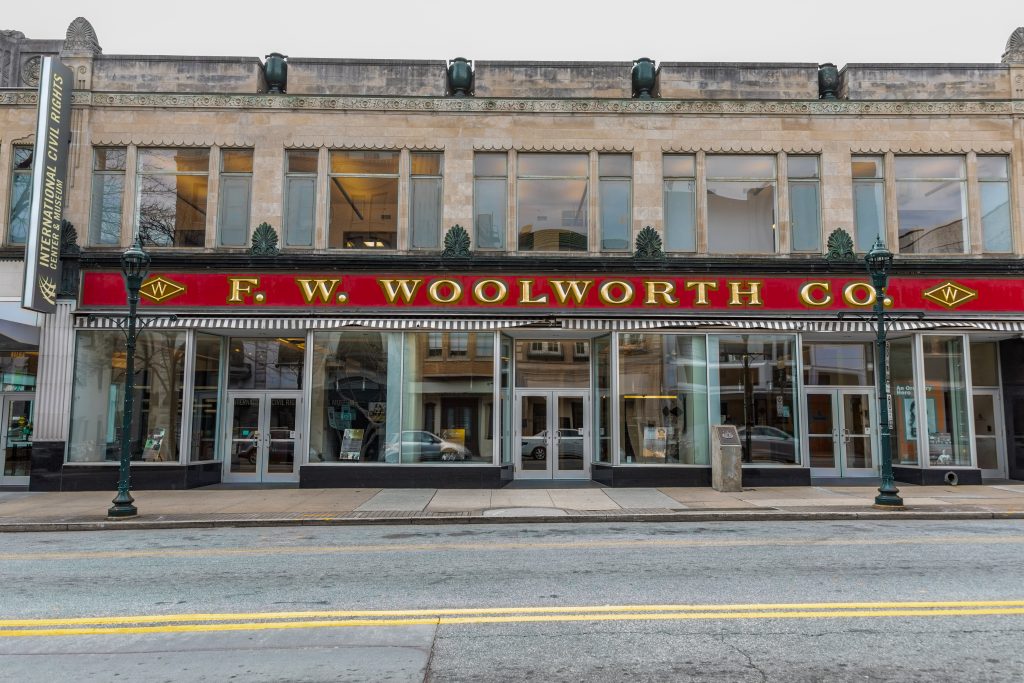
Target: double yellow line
262 621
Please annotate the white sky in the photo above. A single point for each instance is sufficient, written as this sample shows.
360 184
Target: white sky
839 31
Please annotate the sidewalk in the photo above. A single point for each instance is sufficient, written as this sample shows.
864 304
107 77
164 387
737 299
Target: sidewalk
25 511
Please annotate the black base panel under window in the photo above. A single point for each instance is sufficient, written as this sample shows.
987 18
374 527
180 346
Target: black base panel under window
47 463
151 478
776 476
403 476
934 476
651 475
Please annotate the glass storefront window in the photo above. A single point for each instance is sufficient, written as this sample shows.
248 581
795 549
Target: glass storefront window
946 401
904 400
506 399
205 398
827 364
752 386
602 400
97 400
984 364
447 401
663 399
351 418
266 363
552 363
552 202
18 366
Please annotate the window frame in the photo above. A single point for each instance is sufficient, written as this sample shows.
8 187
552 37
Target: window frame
667 178
501 232
412 216
602 180
140 173
221 209
965 232
585 203
289 176
16 173
795 181
396 176
710 179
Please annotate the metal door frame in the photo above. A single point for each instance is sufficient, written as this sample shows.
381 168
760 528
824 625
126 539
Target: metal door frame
839 468
261 475
551 472
6 399
1000 432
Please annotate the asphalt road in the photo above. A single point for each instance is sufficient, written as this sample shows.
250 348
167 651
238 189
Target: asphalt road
807 601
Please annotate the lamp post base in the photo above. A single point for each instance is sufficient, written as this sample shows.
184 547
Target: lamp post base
889 501
122 507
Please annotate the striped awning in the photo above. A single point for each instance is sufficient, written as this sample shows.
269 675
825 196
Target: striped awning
284 323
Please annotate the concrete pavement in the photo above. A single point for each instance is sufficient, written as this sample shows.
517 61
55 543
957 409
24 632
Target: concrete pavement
221 506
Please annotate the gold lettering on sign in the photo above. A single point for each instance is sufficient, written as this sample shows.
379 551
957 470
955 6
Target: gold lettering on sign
400 289
702 287
436 296
526 296
859 294
241 287
321 290
660 289
498 288
576 289
808 297
625 293
745 288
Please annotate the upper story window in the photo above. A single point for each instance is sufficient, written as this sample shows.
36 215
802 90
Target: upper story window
741 204
551 202
615 190
172 188
363 188
300 197
426 201
21 194
679 192
994 190
107 195
235 197
931 204
804 203
868 201
490 199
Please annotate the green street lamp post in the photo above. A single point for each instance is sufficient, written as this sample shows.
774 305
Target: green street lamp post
134 267
879 263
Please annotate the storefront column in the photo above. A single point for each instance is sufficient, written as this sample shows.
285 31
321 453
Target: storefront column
53 396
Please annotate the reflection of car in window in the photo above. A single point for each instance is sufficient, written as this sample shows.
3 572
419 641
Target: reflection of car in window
769 443
425 446
570 444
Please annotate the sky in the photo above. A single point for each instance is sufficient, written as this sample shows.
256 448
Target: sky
835 31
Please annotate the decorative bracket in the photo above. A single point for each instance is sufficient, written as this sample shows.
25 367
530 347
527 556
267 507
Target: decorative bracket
840 247
456 243
264 241
648 245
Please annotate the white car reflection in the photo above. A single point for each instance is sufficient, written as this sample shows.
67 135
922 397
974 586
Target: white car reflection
425 446
570 444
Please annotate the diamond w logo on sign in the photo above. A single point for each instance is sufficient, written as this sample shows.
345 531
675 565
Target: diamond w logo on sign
158 289
950 294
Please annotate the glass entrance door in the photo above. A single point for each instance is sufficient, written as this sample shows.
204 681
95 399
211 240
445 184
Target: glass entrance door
553 429
988 434
15 459
262 436
841 432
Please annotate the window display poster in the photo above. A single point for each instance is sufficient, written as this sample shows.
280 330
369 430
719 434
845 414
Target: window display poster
455 436
351 444
655 443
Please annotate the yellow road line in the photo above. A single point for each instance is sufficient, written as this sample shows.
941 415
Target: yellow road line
1014 539
523 618
474 611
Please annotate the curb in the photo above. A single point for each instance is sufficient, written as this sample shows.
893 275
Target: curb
143 524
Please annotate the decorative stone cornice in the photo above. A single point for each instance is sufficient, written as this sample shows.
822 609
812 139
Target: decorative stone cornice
336 143
734 149
171 141
467 105
934 149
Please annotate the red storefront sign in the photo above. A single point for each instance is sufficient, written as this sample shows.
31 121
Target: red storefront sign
338 292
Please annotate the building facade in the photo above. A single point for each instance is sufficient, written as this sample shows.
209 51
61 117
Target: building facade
418 273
